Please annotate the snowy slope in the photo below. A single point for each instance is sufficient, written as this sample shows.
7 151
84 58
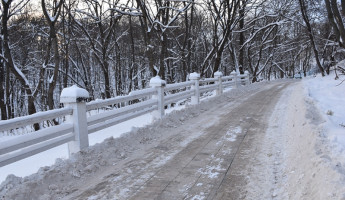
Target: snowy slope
329 97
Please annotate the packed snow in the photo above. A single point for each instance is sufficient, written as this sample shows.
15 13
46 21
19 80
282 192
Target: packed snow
232 133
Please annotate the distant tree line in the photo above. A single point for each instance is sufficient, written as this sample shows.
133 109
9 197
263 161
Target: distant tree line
112 47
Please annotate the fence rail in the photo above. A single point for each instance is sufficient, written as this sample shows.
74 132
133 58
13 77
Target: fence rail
77 125
32 119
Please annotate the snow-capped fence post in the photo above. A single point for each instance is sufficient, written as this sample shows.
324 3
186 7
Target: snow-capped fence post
159 84
219 75
195 99
75 98
248 77
234 74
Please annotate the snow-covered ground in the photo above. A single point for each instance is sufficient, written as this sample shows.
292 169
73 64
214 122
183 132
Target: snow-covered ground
329 96
308 161
32 164
111 150
302 154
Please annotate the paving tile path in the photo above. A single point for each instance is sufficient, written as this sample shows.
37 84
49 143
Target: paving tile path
202 159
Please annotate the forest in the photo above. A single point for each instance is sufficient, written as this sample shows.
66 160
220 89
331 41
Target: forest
112 47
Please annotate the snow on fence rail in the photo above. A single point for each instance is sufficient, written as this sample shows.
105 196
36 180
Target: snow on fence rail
77 125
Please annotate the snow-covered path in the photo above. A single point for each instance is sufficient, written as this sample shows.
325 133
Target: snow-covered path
200 159
293 158
260 142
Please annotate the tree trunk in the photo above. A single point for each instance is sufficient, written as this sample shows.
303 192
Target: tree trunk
2 86
106 80
130 75
54 42
311 36
118 70
164 44
9 105
2 92
333 22
241 26
149 50
52 84
338 19
8 56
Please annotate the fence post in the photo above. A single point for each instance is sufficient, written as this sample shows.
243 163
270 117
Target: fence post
219 75
159 84
195 99
248 77
234 74
75 98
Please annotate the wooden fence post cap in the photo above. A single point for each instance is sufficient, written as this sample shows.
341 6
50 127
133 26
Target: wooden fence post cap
194 76
218 74
157 82
74 94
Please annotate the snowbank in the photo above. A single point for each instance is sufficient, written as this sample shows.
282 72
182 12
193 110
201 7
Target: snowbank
32 164
329 96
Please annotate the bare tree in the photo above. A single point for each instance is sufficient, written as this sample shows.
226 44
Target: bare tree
7 13
224 16
242 35
111 47
336 20
156 19
2 85
100 37
52 43
305 16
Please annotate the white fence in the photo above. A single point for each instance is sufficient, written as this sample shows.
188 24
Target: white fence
77 125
